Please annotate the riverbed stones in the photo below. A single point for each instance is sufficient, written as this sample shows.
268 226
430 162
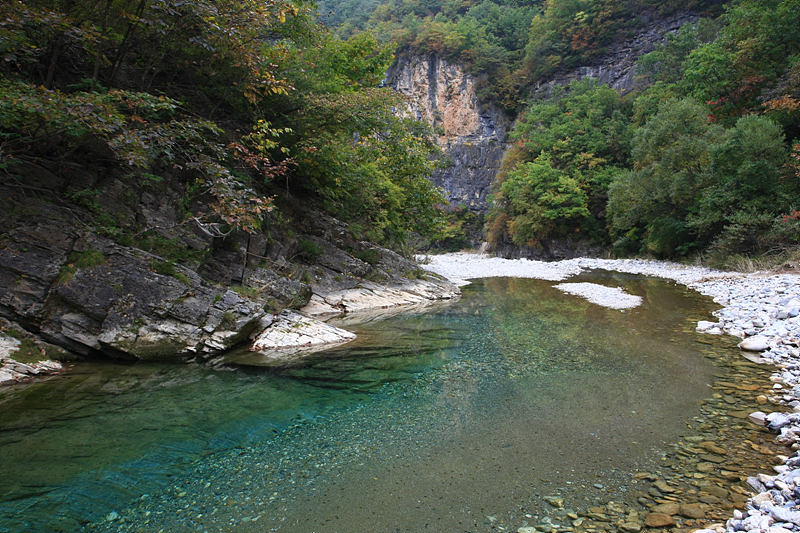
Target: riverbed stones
670 509
755 344
692 511
662 486
630 527
659 520
555 501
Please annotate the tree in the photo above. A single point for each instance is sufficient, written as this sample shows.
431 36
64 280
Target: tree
648 206
582 136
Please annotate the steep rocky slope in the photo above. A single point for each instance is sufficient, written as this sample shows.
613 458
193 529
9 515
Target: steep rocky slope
474 133
78 275
617 68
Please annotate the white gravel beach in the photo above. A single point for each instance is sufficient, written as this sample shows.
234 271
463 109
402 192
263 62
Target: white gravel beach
761 308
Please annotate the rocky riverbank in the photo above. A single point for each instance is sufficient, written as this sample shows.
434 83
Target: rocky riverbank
127 276
762 309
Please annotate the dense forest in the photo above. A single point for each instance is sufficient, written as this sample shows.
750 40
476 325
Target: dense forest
245 105
252 105
698 161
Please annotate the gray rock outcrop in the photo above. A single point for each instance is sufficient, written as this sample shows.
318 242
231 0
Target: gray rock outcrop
66 278
472 133
617 68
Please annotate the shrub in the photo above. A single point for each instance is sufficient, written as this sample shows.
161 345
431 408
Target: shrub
310 251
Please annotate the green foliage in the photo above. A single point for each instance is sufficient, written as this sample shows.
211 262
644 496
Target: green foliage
27 352
666 63
461 230
166 268
367 164
541 202
247 292
228 320
757 44
369 256
555 183
417 273
80 260
310 251
137 84
173 250
696 183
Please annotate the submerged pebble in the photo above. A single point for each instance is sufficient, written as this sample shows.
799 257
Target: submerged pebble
761 309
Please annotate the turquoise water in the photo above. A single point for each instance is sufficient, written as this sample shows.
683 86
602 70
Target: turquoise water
458 420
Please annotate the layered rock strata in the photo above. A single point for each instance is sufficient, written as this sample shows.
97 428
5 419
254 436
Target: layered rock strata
472 133
66 277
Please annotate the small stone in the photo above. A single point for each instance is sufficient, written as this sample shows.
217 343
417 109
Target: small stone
714 448
692 510
758 418
775 421
662 486
714 490
630 527
754 344
555 501
659 520
782 514
667 508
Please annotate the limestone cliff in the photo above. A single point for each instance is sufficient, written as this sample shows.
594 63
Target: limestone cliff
472 133
617 68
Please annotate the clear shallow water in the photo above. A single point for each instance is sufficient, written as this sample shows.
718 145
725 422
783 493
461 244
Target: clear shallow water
460 420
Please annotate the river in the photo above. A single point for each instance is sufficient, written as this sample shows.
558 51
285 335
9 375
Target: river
464 418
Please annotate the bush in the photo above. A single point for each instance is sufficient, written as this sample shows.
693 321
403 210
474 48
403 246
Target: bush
370 256
310 251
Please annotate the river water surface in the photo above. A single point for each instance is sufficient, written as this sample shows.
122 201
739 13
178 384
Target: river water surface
461 419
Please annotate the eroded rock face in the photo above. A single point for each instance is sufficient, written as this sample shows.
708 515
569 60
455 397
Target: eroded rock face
87 293
472 134
617 68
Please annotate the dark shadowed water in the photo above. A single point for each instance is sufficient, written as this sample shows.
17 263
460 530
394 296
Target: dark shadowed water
462 419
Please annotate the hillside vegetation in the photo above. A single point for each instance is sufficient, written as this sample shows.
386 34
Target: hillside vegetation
508 44
250 107
242 105
699 161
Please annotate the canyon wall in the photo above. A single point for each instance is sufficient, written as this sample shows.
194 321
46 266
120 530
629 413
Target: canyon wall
472 134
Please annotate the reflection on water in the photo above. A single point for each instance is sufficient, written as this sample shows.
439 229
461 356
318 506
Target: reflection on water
476 409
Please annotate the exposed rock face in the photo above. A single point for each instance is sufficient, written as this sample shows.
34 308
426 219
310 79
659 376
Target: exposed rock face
617 68
87 293
555 250
471 133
